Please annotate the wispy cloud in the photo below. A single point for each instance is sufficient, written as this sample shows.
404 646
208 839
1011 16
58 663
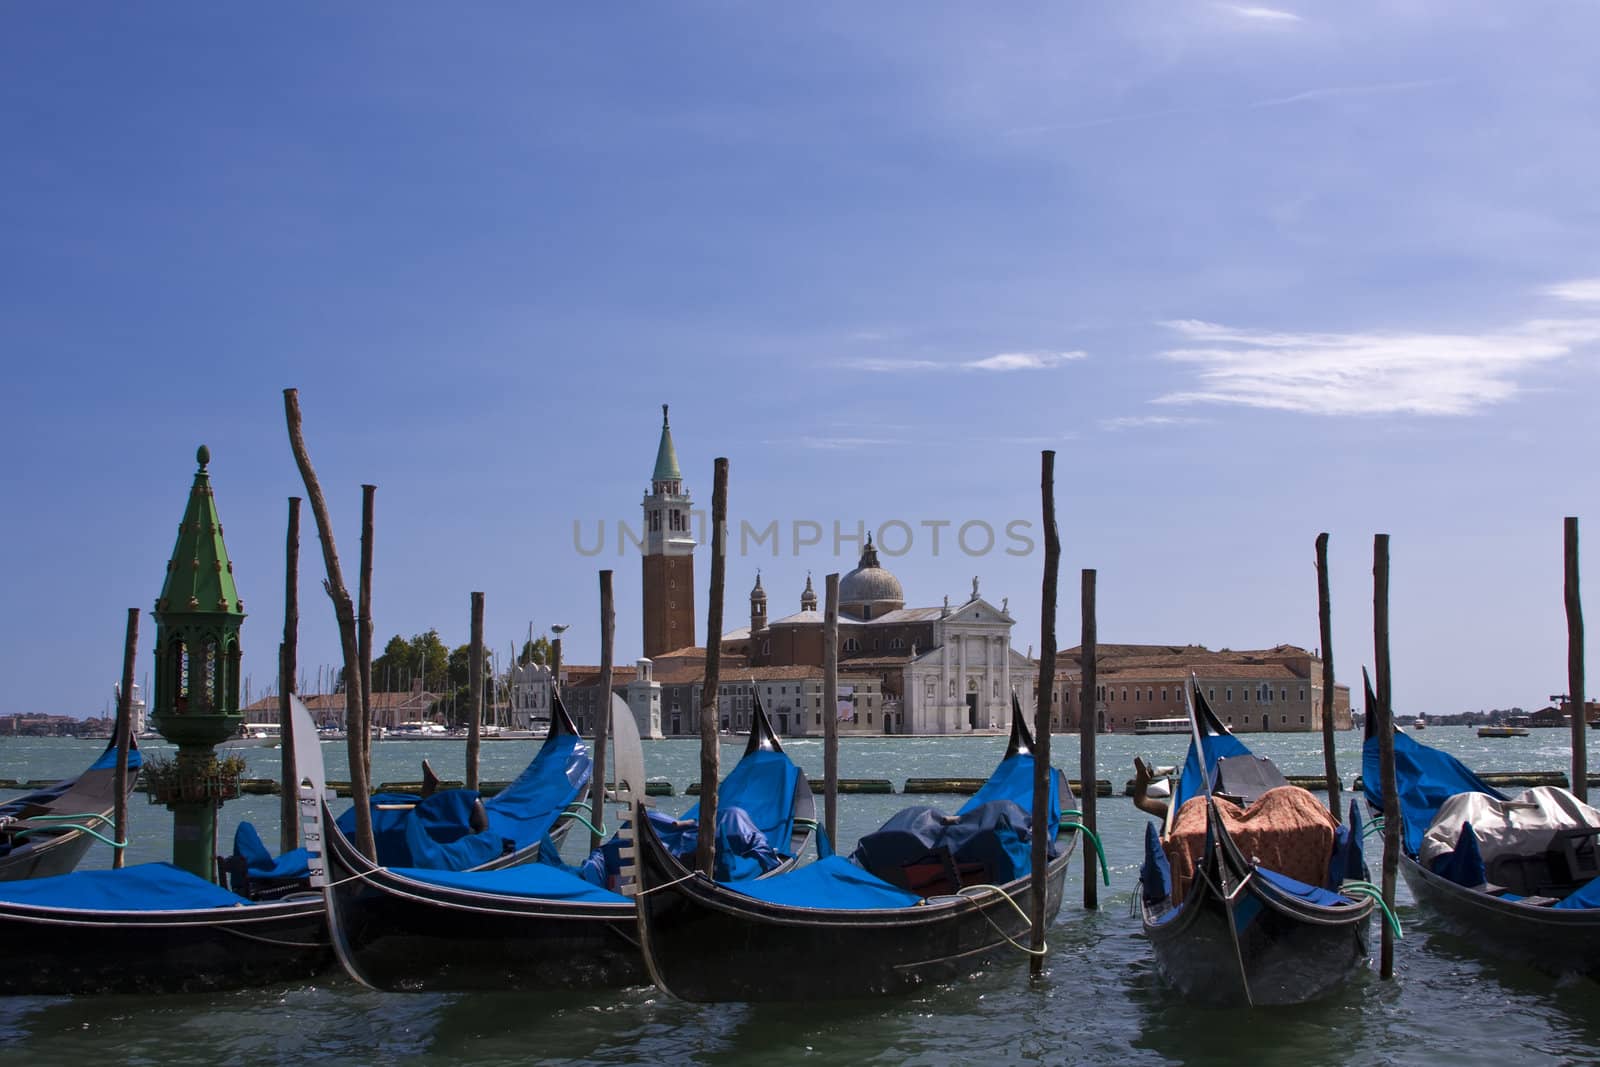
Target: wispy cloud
1135 422
1368 373
825 443
998 363
1263 14
1580 290
1335 92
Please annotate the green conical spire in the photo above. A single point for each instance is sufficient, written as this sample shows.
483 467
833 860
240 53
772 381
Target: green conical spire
666 456
200 575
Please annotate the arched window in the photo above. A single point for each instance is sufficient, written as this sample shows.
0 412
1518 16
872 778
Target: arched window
852 645
180 675
952 689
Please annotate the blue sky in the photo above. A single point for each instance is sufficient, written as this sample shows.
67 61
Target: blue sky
1255 272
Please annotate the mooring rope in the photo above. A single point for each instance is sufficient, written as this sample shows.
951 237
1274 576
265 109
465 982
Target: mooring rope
963 891
1094 839
1367 889
91 831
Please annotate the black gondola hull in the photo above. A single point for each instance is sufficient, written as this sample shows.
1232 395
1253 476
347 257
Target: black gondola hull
58 855
58 951
401 935
706 943
1266 947
1555 940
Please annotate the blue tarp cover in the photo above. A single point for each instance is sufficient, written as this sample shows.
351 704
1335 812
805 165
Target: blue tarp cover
434 833
1587 896
995 834
834 884
537 880
762 783
1424 778
144 887
742 849
1463 864
247 843
1013 781
108 759
1191 783
1311 894
1155 876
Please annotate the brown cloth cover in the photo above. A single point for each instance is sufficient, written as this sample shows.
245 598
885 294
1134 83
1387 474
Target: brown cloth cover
1287 830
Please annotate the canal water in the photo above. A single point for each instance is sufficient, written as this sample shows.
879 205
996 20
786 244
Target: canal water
1101 1001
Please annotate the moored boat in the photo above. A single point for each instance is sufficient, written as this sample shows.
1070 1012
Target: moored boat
544 925
1225 926
927 898
47 831
1519 877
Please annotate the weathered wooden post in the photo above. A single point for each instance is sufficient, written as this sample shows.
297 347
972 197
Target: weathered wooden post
475 692
1043 818
608 632
1575 696
364 634
710 705
1330 762
344 611
1392 817
124 731
830 707
1089 727
289 779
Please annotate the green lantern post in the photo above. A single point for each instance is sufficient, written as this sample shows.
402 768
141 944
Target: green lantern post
197 677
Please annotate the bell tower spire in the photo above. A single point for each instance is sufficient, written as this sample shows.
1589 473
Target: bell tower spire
668 553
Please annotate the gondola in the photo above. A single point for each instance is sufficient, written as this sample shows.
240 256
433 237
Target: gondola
540 926
451 829
895 916
1526 892
153 928
47 832
1241 933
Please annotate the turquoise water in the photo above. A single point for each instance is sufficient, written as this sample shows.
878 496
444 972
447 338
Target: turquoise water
1100 1001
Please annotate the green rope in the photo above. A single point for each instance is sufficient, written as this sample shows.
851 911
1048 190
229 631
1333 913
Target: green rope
1373 827
66 818
584 804
1094 839
96 834
1065 812
598 831
1367 889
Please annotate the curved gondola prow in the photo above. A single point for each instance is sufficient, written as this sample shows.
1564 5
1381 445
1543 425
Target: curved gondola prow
1367 725
560 721
1021 737
762 736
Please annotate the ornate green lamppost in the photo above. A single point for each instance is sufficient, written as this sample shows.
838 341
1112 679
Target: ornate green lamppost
197 677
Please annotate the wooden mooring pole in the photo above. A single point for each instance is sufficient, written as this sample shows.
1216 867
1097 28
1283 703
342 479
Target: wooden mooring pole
1043 818
830 708
345 612
597 787
710 702
1392 817
1330 762
289 791
1088 727
124 731
364 634
475 692
1575 696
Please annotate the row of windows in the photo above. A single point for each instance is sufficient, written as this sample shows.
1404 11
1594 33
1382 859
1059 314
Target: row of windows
852 645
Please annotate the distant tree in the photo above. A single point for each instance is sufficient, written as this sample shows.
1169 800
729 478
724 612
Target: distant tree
539 651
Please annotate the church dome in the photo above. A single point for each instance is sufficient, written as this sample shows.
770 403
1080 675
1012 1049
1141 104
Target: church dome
870 590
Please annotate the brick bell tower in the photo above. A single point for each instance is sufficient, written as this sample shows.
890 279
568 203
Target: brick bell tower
668 554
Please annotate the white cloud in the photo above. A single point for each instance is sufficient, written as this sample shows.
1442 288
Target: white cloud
1263 14
832 443
1133 422
1368 373
1002 361
1581 290
1334 92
